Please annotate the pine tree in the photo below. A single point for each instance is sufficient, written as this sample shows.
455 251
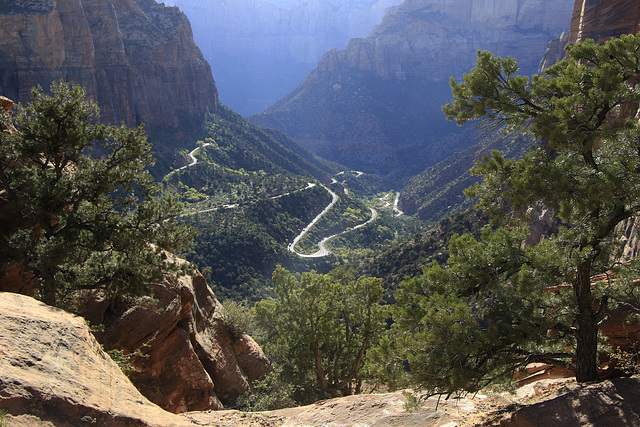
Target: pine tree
92 217
586 172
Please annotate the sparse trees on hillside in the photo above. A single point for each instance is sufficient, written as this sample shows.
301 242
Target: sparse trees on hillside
91 215
498 305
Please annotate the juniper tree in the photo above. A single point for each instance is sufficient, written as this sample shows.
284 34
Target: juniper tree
91 214
500 305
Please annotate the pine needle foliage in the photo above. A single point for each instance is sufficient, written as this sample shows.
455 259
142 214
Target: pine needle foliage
91 214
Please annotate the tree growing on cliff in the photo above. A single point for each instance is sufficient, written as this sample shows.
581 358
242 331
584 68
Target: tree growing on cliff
90 213
319 328
515 304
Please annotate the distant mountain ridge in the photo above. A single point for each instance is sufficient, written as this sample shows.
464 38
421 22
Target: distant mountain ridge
262 49
375 106
136 58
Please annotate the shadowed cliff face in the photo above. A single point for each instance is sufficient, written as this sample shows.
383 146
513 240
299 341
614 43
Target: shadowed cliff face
375 106
136 58
602 19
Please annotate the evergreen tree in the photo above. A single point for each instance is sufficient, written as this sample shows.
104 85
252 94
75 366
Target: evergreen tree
91 215
586 172
320 327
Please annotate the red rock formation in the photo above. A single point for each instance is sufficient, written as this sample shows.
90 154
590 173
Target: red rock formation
136 58
191 361
602 19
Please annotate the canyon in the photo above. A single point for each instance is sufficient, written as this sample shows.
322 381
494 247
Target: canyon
53 370
262 49
375 106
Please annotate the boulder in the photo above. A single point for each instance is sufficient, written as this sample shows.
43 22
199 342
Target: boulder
189 359
611 403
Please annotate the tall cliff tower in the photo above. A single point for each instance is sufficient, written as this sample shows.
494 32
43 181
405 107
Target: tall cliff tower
136 58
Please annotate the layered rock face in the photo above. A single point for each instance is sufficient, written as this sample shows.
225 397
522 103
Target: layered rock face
191 360
262 49
136 58
375 106
53 372
602 19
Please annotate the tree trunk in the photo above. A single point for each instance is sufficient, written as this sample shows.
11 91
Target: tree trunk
587 326
320 375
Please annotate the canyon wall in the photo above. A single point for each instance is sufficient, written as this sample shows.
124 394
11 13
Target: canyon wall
602 19
375 106
136 58
262 49
437 39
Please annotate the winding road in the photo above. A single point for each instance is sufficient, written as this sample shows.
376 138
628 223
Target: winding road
395 205
194 160
322 249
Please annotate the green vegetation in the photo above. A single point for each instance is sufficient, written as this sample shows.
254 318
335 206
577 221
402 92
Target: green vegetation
91 216
484 317
242 245
239 317
408 257
500 305
438 192
237 144
268 394
319 328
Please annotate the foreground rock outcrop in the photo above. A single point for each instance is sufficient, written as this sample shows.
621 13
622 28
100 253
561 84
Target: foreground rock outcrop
191 361
53 370
612 403
136 58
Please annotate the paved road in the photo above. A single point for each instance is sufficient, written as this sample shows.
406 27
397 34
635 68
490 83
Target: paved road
194 160
320 253
322 249
395 205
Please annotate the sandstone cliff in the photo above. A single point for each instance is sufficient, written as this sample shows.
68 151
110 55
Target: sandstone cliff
53 372
375 106
437 39
186 356
136 58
